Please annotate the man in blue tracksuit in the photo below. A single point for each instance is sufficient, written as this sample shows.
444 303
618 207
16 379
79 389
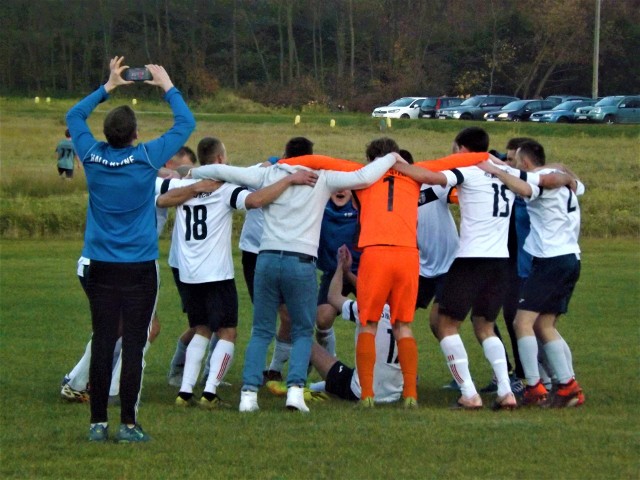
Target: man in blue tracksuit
121 239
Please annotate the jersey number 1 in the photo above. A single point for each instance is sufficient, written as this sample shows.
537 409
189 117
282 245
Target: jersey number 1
389 193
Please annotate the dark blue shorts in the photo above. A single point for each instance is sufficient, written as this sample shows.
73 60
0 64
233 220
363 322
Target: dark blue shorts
550 284
429 288
214 304
477 285
338 382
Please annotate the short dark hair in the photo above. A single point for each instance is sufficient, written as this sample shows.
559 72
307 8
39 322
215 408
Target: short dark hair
380 147
515 142
187 152
474 139
406 154
297 147
208 148
67 133
533 151
120 126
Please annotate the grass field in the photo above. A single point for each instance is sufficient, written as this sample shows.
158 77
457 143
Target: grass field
45 326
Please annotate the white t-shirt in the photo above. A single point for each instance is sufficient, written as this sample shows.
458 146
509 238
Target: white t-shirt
201 239
387 375
485 208
555 220
292 222
437 232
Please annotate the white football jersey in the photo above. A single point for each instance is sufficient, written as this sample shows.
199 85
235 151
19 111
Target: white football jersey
555 220
437 232
387 375
485 209
201 239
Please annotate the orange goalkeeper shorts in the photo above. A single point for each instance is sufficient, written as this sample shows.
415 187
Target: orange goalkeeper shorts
388 274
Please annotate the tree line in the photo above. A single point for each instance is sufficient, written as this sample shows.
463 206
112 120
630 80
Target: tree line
357 53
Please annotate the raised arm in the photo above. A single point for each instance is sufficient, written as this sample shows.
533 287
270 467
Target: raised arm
163 148
334 295
266 195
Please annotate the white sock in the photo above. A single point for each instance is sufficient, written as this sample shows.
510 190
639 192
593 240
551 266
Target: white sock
114 388
458 363
219 364
495 353
79 376
547 377
193 361
212 346
177 362
568 356
528 350
327 339
116 353
281 353
554 351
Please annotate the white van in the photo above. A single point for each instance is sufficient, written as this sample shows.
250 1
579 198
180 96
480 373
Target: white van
405 107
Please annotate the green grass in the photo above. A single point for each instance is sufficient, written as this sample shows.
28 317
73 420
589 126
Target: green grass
35 202
44 327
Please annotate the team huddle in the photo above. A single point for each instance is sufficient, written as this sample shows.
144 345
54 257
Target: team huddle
381 231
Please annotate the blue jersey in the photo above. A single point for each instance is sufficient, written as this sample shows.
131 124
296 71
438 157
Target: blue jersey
121 215
338 228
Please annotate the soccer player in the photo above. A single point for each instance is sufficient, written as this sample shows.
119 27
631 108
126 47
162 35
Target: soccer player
389 265
286 266
341 380
205 274
66 156
477 276
555 269
339 224
121 239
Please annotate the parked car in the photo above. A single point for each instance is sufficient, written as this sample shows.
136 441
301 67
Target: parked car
616 109
564 112
475 107
558 99
518 111
431 105
405 107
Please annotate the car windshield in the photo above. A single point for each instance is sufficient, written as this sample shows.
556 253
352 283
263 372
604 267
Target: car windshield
402 102
515 105
429 102
472 102
608 101
567 105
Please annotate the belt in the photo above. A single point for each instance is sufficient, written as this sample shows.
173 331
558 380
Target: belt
302 256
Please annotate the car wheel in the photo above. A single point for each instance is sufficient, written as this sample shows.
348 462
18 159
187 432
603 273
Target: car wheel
516 119
466 116
563 120
609 119
404 115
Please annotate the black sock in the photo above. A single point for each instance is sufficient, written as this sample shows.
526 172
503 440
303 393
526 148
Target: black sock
209 396
185 396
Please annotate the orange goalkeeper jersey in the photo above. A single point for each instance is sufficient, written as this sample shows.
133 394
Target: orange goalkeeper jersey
388 213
